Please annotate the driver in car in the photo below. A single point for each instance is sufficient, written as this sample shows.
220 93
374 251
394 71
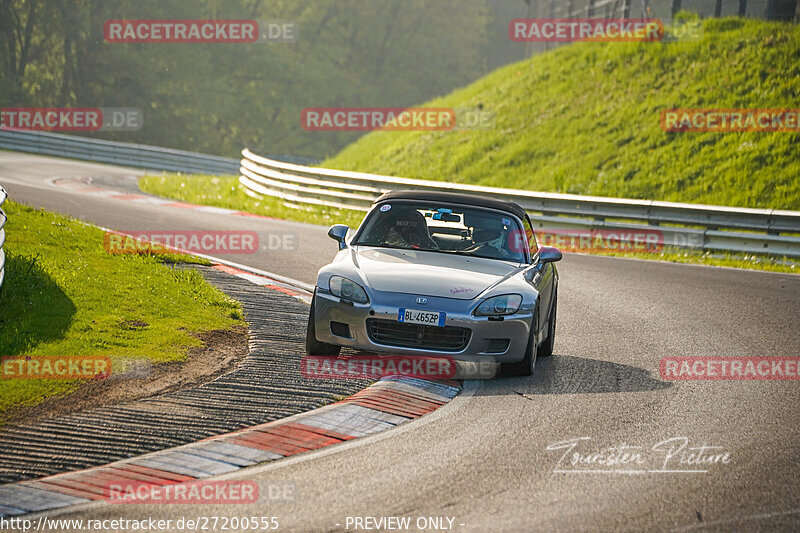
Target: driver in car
408 229
489 236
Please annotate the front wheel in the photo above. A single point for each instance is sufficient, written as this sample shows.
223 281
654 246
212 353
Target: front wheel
546 349
526 366
313 346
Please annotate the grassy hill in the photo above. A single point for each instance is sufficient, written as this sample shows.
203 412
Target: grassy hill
585 119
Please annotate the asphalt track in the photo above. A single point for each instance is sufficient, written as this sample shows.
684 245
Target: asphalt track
483 460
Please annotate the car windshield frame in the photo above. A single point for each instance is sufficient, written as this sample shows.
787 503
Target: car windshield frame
426 206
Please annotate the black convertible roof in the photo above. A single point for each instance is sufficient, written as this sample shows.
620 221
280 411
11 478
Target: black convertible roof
454 198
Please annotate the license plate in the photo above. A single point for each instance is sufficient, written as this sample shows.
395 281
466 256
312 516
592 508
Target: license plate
415 316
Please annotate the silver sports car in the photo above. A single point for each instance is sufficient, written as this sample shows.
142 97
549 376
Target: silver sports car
438 274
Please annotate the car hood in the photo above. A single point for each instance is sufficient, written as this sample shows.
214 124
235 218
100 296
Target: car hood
429 273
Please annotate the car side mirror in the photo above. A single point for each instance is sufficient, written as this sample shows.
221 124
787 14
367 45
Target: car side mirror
549 254
338 233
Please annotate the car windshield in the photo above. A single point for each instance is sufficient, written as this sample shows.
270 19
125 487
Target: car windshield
454 229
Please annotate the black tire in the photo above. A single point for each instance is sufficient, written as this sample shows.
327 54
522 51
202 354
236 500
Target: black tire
526 366
313 346
546 349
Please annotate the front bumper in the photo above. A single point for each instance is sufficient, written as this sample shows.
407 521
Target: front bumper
485 334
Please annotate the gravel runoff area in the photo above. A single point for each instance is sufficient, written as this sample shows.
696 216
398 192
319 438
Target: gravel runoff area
266 385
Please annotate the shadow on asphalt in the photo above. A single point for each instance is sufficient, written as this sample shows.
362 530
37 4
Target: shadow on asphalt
568 374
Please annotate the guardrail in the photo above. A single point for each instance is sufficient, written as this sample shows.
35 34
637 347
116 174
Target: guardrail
3 196
120 153
701 227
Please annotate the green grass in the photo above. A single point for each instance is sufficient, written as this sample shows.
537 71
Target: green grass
585 119
65 295
694 257
224 191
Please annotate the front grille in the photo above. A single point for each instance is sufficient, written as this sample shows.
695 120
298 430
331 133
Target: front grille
391 333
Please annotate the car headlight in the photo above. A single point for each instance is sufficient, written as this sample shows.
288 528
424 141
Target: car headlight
348 290
507 304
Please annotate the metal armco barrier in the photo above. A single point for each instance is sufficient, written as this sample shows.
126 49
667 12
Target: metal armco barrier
125 154
117 153
700 227
3 197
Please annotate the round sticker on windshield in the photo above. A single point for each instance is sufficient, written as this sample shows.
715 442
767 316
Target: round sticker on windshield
506 221
385 207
